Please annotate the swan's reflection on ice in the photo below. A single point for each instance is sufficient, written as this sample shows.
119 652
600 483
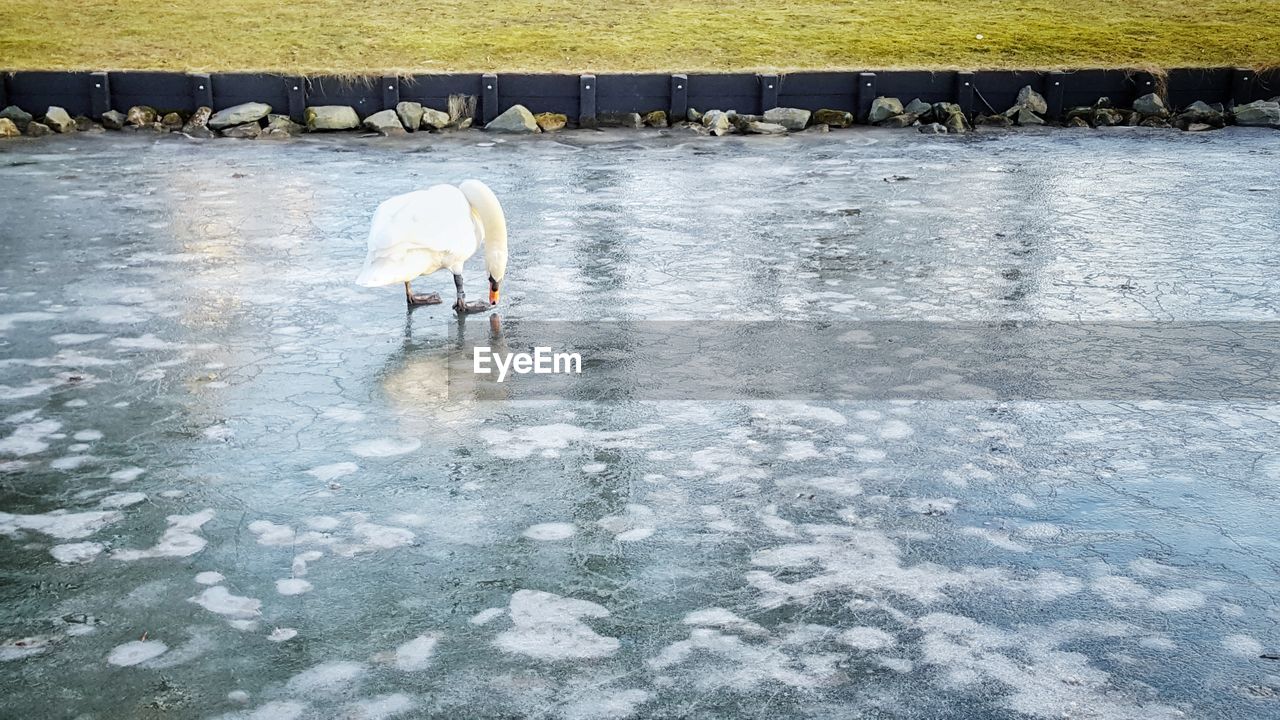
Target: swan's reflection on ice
436 376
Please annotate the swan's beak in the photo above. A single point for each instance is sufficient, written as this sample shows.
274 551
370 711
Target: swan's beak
493 291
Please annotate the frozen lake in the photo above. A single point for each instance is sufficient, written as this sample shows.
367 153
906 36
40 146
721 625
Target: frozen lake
232 483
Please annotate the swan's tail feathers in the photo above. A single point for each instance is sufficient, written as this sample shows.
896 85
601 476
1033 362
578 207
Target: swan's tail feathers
377 273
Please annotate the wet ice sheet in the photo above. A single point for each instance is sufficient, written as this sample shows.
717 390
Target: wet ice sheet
234 485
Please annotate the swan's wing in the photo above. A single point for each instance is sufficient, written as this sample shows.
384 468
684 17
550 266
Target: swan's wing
437 219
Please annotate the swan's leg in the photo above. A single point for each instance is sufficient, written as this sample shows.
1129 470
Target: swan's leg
409 297
461 304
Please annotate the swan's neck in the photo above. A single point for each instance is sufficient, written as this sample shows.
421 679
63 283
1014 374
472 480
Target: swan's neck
485 205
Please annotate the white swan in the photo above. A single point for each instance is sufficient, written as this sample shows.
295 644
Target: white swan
421 232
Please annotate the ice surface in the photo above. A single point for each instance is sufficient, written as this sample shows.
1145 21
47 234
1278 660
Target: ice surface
181 403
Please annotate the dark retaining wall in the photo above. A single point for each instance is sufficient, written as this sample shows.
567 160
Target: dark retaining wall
582 96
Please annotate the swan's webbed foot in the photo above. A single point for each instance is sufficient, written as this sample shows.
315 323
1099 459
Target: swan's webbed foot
464 307
414 299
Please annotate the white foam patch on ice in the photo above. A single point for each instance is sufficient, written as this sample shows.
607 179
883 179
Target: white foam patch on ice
209 577
549 531
1242 646
997 538
867 638
742 666
274 710
932 506
594 468
325 473
416 654
88 435
895 430
1041 679
1180 600
75 338
636 523
606 705
72 462
279 635
126 475
138 651
525 441
81 552
381 707
219 600
549 627
386 447
179 540
292 586
723 619
343 414
121 500
799 451
328 678
59 523
29 438
797 411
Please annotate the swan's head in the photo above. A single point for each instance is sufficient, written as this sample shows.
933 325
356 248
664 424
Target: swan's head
486 206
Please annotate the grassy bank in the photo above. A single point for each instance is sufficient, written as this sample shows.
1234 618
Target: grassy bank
639 35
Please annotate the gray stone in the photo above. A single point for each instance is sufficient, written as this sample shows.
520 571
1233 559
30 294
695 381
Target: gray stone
619 119
756 127
918 107
551 122
1102 102
1106 117
86 124
1259 113
239 115
657 118
8 128
384 122
993 120
1154 122
199 132
113 120
59 120
955 123
833 118
35 129
433 119
716 122
140 116
247 131
281 127
516 119
410 114
789 118
198 120
1132 118
933 129
898 121
331 117
1198 127
19 117
692 115
171 121
1026 118
819 128
1031 100
883 108
1151 104
1078 122
1199 112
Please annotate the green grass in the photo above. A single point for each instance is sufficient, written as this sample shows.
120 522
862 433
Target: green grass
636 35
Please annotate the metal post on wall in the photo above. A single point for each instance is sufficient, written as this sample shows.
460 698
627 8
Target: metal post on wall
866 93
964 92
295 88
1143 83
768 92
201 90
99 93
679 98
1241 85
1055 88
587 101
488 97
390 92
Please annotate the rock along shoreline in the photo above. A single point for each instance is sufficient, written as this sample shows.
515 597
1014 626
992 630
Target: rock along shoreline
256 121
